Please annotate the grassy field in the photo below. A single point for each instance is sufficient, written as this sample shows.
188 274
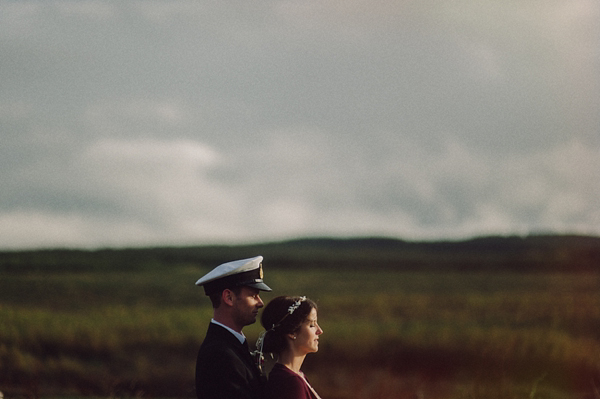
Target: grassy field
387 334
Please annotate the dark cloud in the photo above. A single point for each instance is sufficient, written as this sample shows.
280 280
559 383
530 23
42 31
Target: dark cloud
189 122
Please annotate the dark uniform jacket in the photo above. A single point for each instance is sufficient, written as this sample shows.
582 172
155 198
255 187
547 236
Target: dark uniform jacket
225 369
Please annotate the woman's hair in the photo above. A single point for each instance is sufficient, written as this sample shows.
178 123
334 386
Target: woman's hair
278 321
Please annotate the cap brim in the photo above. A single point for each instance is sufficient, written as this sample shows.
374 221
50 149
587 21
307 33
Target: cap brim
260 286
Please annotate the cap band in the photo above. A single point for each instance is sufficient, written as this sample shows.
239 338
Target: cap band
248 278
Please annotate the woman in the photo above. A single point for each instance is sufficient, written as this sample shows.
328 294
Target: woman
291 333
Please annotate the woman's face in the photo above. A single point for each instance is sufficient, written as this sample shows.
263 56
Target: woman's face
307 337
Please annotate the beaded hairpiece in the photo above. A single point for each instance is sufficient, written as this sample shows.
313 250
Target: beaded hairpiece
258 353
293 307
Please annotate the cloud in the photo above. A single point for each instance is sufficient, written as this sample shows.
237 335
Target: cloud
174 191
192 121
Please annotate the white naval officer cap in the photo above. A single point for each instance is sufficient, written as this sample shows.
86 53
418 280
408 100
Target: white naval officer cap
237 273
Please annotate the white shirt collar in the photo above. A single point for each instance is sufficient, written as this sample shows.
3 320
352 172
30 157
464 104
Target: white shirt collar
240 336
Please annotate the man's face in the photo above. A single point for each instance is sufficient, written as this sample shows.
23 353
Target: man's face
246 306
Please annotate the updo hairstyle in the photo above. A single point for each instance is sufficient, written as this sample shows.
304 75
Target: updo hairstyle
277 321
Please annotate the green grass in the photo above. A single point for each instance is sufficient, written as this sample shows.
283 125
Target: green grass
440 335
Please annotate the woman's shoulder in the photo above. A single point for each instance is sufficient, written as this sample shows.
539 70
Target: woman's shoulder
279 371
285 384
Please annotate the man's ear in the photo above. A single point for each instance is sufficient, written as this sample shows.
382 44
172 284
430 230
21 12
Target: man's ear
227 297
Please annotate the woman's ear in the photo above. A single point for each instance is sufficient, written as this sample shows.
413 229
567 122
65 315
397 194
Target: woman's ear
291 336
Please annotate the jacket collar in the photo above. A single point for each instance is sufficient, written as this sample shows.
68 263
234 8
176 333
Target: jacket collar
240 336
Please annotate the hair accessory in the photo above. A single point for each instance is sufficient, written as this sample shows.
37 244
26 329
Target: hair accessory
295 305
259 358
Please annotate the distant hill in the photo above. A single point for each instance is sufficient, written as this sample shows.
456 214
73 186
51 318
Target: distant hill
535 253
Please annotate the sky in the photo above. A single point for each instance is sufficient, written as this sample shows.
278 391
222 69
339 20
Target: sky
143 123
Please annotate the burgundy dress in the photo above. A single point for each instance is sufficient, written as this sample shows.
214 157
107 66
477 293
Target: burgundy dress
283 383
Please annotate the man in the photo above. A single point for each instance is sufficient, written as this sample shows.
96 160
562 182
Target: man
225 368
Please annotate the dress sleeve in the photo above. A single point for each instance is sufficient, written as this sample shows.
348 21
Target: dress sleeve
293 390
287 387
